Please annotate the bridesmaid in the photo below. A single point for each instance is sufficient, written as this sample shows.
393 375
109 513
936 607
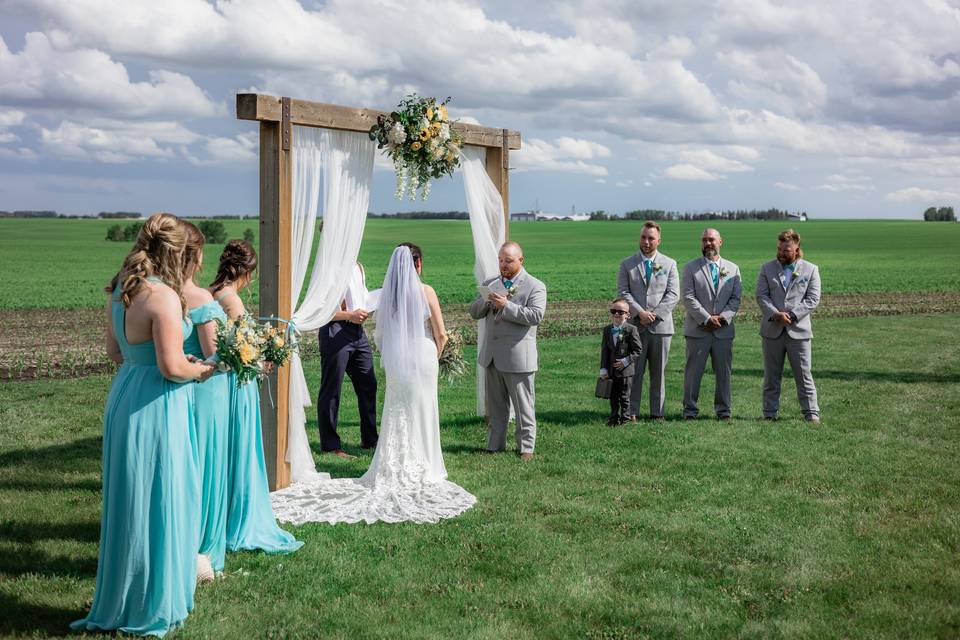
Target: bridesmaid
211 411
250 520
146 571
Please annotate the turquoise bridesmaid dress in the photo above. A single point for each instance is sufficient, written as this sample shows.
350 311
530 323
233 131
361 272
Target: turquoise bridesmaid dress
212 420
250 520
149 526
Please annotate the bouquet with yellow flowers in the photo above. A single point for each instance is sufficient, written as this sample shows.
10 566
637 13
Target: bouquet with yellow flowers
240 347
278 345
421 142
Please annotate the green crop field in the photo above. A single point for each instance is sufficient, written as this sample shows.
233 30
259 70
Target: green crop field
65 263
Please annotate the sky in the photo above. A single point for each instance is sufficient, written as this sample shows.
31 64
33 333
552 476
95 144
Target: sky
840 109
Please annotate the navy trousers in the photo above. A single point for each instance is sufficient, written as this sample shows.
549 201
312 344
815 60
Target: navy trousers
344 349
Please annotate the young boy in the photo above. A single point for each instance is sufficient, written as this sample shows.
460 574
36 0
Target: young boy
619 349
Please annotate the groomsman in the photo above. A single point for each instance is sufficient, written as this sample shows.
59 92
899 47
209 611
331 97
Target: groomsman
788 290
508 352
344 349
648 281
711 291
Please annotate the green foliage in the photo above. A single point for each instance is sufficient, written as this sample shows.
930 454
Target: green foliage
131 231
213 231
115 233
943 214
124 233
743 529
109 215
248 234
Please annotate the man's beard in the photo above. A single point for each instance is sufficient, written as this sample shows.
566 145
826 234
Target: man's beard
784 260
709 253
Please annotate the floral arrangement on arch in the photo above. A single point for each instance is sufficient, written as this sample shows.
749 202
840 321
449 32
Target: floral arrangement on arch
421 142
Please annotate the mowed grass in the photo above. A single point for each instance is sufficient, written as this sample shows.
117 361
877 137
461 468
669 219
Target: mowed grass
65 263
673 529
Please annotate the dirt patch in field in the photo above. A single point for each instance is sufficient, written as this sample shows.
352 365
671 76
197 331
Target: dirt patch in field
46 343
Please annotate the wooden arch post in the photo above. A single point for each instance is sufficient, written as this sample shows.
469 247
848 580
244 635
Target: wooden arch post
276 117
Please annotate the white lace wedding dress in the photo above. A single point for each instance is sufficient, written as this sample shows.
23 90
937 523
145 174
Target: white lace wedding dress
406 481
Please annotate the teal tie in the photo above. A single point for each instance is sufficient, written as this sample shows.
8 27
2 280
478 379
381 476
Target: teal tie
715 272
647 268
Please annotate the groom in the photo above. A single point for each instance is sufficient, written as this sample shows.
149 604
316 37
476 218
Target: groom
509 349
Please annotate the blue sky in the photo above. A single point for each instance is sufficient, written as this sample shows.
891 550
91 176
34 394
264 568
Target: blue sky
685 105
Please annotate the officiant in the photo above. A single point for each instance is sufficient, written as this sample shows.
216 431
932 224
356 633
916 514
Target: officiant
344 349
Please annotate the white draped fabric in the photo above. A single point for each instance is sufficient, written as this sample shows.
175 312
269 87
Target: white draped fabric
485 205
344 159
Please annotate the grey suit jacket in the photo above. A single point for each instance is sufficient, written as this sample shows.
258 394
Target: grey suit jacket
510 342
659 296
628 346
702 300
800 298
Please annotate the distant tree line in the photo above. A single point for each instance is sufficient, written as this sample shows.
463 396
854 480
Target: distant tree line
423 215
112 215
28 214
733 214
942 214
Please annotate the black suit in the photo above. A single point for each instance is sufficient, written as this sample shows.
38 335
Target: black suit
344 349
627 346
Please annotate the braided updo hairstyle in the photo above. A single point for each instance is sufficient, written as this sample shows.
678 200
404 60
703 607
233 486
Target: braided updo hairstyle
239 259
157 252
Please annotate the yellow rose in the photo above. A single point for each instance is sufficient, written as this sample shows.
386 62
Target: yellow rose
443 112
278 342
416 146
436 126
247 353
430 113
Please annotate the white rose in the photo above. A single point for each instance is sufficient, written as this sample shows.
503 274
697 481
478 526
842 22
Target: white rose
444 132
397 135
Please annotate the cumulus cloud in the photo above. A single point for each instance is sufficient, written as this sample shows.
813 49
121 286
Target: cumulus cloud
923 196
44 76
839 182
689 172
116 141
786 186
709 161
568 155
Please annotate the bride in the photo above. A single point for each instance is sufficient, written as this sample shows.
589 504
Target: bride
406 481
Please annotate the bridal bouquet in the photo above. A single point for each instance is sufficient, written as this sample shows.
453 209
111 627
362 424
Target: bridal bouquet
240 345
452 364
421 142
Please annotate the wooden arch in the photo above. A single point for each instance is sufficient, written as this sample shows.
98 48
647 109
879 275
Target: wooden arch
276 116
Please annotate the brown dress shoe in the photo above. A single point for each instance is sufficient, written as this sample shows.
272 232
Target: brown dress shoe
340 453
656 417
723 417
526 457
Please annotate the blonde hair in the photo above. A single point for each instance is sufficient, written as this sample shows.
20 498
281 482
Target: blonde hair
157 252
193 249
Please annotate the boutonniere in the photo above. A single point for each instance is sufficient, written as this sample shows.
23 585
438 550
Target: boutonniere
656 267
723 272
511 291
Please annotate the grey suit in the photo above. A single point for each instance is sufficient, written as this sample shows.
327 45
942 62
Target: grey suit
508 354
701 300
799 298
659 296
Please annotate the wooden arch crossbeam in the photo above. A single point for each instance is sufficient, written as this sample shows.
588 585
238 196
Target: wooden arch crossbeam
276 116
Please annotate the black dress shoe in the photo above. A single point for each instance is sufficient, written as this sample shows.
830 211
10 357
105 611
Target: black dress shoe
369 446
723 417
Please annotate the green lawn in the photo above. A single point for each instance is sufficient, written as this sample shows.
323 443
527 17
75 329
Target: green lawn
674 529
65 263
